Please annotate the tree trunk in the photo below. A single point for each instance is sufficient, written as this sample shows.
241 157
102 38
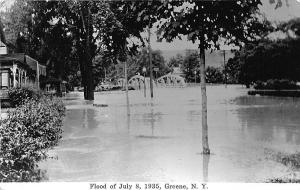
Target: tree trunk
206 149
88 75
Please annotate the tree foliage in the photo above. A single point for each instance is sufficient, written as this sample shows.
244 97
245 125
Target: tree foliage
232 21
267 60
17 21
214 75
67 33
176 61
135 65
190 66
292 27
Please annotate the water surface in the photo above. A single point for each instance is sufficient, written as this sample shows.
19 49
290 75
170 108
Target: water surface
160 139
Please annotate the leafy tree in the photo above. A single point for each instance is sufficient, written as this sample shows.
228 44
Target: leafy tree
95 26
17 21
137 62
157 61
293 26
190 66
207 22
232 70
214 75
86 28
267 59
176 61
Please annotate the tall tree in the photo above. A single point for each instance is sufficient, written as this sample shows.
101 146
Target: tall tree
208 22
17 21
93 26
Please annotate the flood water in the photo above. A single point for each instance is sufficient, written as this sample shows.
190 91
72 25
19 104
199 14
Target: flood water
160 139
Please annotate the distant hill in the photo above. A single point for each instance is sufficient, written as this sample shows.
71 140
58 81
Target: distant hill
214 59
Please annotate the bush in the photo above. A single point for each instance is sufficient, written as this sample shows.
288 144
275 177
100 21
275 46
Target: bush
25 136
214 75
276 84
18 95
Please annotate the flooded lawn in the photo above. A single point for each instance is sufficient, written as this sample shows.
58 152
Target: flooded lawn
160 139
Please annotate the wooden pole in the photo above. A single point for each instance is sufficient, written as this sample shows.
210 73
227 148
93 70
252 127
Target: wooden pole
144 85
126 88
225 77
125 75
150 61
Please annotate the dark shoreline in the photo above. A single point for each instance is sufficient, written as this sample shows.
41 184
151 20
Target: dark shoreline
280 93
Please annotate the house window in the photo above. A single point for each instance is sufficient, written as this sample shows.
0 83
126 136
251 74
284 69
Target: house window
4 79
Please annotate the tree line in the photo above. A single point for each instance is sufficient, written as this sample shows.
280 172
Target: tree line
268 58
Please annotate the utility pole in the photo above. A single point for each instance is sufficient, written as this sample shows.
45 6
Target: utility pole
144 71
126 82
104 75
126 89
150 59
225 79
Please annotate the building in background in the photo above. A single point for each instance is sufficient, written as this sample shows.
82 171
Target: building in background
17 70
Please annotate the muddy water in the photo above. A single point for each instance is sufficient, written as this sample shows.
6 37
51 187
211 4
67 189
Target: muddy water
160 139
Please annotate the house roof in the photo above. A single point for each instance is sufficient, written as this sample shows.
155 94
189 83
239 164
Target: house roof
13 57
25 59
2 44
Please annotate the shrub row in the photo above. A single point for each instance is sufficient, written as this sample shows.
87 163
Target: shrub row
18 95
276 84
30 130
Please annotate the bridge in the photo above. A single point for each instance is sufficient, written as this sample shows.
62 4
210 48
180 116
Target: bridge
169 80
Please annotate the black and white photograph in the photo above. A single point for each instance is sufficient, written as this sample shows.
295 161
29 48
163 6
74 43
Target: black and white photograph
117 92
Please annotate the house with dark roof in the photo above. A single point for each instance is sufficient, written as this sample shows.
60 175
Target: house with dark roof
17 70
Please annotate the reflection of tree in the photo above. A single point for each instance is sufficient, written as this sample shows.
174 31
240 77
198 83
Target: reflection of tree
128 111
88 118
151 118
206 158
267 117
194 115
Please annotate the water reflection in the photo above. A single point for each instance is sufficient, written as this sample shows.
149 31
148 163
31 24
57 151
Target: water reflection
152 120
194 115
205 159
128 112
270 119
88 118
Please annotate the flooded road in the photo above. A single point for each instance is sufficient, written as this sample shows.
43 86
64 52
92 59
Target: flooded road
160 139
